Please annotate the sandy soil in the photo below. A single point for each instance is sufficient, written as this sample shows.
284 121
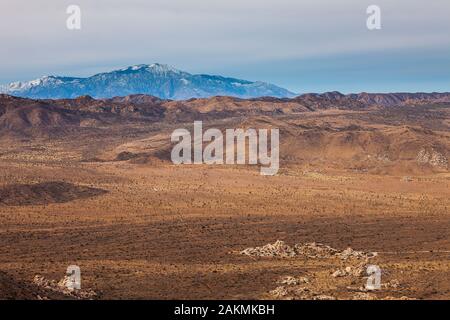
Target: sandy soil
171 232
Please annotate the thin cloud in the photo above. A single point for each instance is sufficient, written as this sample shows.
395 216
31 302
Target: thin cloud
208 36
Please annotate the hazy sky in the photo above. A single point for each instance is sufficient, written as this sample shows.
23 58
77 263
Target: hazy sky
304 46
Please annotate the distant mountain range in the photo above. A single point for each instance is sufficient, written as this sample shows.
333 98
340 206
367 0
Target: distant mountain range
35 117
156 79
378 132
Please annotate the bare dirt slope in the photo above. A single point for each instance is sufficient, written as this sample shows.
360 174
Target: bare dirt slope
44 193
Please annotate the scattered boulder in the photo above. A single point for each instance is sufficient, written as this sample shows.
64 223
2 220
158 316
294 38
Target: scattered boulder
310 250
323 297
363 296
394 284
353 264
315 250
279 292
354 271
401 298
289 280
432 157
278 249
62 287
350 253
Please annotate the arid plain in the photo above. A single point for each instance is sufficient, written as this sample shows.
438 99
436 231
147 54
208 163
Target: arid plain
97 189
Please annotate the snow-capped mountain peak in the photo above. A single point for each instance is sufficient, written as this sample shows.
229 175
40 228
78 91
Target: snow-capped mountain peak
154 68
162 68
155 79
43 81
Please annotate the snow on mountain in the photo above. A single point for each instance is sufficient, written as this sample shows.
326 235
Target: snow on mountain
156 79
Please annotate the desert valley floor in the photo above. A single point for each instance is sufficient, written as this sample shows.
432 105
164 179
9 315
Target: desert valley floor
140 227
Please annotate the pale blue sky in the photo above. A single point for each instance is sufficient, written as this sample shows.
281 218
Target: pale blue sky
304 46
